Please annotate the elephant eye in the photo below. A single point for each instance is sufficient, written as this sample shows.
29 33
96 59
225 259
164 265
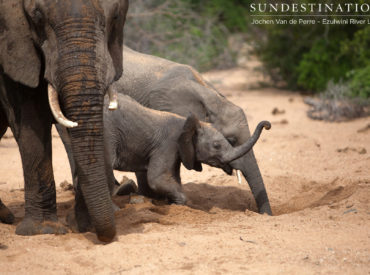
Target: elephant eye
115 14
232 140
37 17
206 118
216 145
38 21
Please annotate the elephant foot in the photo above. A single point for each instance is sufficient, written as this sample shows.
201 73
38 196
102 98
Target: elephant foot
30 227
79 225
5 215
177 198
125 189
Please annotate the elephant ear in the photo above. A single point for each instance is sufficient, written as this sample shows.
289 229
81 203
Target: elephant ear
115 41
186 144
18 56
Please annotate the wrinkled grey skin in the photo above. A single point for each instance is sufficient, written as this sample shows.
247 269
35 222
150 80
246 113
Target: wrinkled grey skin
164 85
167 86
155 143
75 46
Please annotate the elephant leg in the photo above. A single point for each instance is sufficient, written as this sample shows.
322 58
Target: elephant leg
5 215
112 182
164 182
64 135
78 218
144 189
143 186
30 119
3 122
34 142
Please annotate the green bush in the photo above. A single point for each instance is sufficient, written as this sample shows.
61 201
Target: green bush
360 82
308 57
320 64
231 13
357 49
305 57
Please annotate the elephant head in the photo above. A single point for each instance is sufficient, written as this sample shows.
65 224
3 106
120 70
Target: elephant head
182 91
76 47
231 121
200 143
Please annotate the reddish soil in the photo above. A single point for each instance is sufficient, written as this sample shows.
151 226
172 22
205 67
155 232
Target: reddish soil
316 174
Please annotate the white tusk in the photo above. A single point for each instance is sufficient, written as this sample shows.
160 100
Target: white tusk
113 103
55 109
238 175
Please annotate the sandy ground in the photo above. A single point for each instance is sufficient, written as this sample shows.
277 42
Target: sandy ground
316 174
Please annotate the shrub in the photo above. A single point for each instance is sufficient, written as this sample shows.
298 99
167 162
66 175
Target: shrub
173 30
360 82
307 57
320 64
335 104
357 49
231 13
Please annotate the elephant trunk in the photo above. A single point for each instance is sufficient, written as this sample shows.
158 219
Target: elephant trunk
241 150
248 166
88 150
81 90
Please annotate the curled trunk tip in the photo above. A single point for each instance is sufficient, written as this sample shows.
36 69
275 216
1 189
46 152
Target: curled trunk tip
241 150
266 124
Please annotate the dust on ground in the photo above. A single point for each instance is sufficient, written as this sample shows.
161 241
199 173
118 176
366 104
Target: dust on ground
316 175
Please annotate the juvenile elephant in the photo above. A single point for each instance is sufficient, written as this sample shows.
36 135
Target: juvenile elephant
155 143
168 86
71 51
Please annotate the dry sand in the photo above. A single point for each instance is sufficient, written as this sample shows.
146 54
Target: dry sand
316 174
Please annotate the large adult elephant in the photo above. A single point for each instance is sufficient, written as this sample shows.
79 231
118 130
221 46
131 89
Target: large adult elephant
168 86
71 50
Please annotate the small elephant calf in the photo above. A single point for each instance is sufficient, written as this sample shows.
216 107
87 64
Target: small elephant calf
154 143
